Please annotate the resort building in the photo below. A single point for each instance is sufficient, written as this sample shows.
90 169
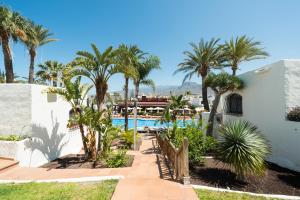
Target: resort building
145 103
27 110
268 95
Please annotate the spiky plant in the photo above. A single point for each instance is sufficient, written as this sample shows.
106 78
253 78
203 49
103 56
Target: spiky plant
243 147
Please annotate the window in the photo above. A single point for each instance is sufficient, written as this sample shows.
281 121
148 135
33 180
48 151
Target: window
234 103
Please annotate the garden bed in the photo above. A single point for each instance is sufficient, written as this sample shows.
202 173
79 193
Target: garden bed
277 180
76 161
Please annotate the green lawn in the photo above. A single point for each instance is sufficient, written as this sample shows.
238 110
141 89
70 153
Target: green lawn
213 195
58 191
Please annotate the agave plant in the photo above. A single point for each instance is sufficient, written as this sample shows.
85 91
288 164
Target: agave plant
243 148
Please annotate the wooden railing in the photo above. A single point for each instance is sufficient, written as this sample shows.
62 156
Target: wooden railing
177 157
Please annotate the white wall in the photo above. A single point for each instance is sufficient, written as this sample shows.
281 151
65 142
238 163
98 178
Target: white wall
267 96
15 109
47 117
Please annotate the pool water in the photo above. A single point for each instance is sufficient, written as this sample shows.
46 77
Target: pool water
145 122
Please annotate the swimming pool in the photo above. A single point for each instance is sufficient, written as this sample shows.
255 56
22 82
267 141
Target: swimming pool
145 122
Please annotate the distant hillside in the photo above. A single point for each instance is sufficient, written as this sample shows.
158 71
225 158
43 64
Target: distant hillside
164 90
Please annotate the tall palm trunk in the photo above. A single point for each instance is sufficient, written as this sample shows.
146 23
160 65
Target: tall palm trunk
204 94
101 89
211 119
126 102
9 72
137 89
83 140
234 67
32 54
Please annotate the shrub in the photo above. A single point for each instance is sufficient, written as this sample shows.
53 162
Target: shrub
127 137
117 159
198 145
243 148
294 114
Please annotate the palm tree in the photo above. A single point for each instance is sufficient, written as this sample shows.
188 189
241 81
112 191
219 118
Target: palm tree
144 69
50 71
242 49
12 26
127 58
203 57
75 93
176 103
220 83
96 66
37 37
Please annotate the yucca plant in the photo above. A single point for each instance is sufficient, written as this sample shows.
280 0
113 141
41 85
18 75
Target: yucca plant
243 148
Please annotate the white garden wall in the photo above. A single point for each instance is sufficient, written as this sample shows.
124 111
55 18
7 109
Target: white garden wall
29 110
268 94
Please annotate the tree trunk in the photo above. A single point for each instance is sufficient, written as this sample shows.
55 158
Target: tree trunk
32 54
137 88
204 94
126 102
83 140
9 72
101 89
211 119
233 71
234 68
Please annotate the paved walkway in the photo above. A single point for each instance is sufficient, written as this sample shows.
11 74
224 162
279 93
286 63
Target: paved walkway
147 179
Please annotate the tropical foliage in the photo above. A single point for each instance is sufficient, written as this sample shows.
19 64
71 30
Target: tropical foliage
243 147
242 49
96 66
143 71
198 145
51 71
203 57
12 26
220 83
37 36
75 93
127 60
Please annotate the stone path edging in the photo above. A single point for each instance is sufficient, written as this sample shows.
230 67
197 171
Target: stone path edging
278 196
66 180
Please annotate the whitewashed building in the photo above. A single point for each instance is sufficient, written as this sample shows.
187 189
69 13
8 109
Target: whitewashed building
268 95
27 109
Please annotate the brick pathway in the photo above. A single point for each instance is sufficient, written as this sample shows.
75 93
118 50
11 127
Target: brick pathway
147 179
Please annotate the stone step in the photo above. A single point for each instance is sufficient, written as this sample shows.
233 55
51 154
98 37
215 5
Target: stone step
7 164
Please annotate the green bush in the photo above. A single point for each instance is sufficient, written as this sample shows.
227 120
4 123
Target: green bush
198 145
242 147
117 159
127 137
294 114
12 137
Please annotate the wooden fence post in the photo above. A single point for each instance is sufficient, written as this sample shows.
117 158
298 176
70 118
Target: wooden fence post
185 157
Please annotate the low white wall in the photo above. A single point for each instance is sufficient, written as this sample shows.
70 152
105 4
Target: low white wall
46 118
267 97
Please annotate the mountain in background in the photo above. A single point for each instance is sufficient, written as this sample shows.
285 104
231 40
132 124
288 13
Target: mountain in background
164 90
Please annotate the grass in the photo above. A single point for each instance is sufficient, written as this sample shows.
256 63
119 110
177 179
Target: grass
58 191
11 137
213 195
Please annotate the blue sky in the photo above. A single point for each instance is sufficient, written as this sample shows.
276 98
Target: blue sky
160 27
